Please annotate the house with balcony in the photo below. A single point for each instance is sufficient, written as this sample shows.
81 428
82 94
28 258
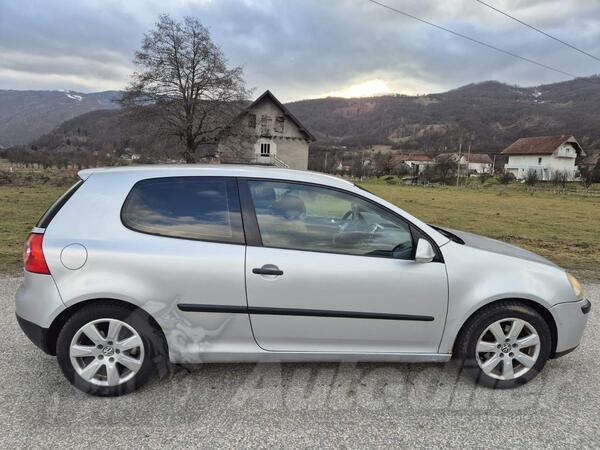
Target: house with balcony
544 154
265 132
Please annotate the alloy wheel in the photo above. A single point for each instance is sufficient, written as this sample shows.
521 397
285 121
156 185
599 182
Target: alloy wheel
508 348
106 352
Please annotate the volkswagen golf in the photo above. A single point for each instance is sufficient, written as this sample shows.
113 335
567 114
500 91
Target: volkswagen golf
135 268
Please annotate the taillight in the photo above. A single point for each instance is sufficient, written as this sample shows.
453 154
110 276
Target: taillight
33 256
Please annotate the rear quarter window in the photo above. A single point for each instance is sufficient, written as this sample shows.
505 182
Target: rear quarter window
198 208
57 205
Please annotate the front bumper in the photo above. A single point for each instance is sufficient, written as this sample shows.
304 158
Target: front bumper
36 334
571 319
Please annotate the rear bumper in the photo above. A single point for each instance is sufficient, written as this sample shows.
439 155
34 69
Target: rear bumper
37 304
571 319
36 334
37 299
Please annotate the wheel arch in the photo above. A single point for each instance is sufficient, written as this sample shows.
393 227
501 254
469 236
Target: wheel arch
539 308
60 320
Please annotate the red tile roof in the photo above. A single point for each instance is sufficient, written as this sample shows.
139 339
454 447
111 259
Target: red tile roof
478 158
452 157
411 157
543 145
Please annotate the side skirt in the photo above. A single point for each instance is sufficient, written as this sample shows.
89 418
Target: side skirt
280 357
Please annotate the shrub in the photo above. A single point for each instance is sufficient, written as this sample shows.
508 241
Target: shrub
484 177
506 178
560 178
532 177
492 181
5 178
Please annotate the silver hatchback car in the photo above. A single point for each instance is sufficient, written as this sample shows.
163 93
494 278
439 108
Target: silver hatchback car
137 267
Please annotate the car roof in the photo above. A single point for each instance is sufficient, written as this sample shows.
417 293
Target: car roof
142 172
224 170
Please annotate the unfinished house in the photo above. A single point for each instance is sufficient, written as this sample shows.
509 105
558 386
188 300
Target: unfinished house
266 132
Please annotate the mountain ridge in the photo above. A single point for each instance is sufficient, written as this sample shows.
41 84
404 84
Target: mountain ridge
26 115
488 115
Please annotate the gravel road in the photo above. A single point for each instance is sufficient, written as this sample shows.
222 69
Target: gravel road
300 405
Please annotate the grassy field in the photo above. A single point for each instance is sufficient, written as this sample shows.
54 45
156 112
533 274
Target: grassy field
20 209
564 228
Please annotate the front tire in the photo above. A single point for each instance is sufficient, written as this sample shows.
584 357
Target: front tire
109 350
504 345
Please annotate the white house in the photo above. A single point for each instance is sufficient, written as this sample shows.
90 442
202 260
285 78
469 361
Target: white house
414 161
266 132
545 155
475 162
478 163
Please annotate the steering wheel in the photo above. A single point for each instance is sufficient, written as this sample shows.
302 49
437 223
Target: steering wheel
353 215
374 229
352 223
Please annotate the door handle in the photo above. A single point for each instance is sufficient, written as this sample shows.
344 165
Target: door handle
267 269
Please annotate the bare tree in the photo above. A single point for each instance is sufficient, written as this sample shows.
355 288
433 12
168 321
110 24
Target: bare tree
590 175
587 177
444 166
185 84
560 178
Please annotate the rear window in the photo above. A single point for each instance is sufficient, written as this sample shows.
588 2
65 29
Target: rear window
200 208
57 205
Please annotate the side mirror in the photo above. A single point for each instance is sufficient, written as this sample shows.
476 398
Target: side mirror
425 252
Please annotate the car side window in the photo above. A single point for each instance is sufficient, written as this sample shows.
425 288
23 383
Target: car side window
313 218
201 208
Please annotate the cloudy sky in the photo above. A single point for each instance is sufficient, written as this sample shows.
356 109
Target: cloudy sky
302 48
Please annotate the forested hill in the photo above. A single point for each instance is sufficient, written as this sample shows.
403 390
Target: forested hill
27 115
489 115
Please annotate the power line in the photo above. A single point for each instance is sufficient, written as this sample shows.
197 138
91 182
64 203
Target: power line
477 41
538 30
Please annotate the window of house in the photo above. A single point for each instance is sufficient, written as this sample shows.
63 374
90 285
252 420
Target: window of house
265 149
251 120
539 160
265 124
279 121
312 218
201 208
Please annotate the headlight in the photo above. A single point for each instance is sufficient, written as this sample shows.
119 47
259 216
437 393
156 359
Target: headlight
577 289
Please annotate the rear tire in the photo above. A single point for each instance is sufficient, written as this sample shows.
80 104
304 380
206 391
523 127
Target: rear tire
109 350
504 345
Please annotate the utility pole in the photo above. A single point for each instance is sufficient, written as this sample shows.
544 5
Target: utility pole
494 164
458 166
325 164
468 159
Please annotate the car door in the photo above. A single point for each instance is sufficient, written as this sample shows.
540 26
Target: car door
185 246
334 272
